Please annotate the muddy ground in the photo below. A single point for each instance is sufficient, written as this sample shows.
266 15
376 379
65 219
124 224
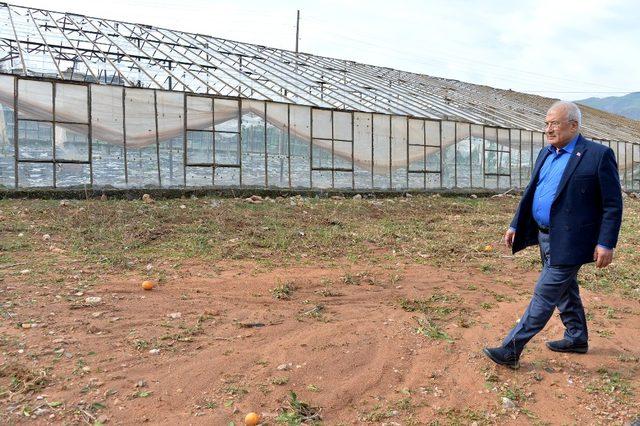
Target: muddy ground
384 340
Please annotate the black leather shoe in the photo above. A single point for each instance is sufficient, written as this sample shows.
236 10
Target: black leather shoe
502 356
566 346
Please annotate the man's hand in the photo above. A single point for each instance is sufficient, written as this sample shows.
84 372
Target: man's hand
508 237
602 256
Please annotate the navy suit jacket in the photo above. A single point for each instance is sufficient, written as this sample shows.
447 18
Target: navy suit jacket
587 208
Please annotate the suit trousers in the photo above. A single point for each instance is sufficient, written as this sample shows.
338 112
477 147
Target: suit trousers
557 286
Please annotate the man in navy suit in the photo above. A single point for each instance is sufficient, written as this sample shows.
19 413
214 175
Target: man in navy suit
572 208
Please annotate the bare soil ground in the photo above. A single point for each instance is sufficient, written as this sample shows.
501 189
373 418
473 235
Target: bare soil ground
370 311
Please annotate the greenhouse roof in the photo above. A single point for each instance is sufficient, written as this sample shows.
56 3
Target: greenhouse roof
67 46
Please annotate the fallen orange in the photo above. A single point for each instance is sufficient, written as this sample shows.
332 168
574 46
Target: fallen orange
147 285
488 248
251 419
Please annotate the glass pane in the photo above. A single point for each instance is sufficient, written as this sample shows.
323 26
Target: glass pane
381 151
321 179
491 169
199 147
538 143
503 182
477 156
434 157
142 152
322 154
491 138
449 154
503 163
277 145
628 165
35 140
107 133
253 143
71 103
362 150
342 155
300 117
504 159
227 176
622 159
526 161
72 142
433 180
32 175
321 123
434 161
636 166
226 114
491 157
7 154
35 100
491 162
227 146
398 152
416 132
70 175
342 126
199 113
515 159
170 136
432 133
463 156
278 171
416 158
343 180
199 176
416 180
142 164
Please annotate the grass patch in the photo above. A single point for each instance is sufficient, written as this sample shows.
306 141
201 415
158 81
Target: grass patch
317 312
283 291
611 383
438 306
325 292
279 381
235 390
298 412
456 416
514 393
121 235
18 382
432 330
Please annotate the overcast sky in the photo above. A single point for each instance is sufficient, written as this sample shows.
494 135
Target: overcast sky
562 49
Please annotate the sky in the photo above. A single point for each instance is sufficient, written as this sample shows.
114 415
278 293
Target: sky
570 49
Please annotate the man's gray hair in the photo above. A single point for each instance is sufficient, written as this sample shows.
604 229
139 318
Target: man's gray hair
573 112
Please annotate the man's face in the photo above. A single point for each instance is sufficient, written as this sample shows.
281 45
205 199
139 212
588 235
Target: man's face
558 129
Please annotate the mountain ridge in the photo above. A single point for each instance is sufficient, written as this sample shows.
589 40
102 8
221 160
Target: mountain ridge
626 106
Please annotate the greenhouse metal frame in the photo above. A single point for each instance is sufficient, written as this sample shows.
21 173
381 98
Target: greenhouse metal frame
100 103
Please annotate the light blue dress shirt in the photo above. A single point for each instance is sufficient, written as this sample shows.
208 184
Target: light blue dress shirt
548 181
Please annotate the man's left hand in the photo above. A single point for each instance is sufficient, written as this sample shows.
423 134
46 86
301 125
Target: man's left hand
602 256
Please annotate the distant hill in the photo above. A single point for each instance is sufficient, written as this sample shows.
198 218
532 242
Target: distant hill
627 105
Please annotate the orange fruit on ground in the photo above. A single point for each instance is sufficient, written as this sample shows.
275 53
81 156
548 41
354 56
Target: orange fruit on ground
251 419
147 285
488 248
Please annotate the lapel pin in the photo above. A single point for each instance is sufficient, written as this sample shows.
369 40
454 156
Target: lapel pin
578 154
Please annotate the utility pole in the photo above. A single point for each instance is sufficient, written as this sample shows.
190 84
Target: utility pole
297 30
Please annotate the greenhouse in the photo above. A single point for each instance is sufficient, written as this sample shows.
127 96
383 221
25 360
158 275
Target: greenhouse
89 102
